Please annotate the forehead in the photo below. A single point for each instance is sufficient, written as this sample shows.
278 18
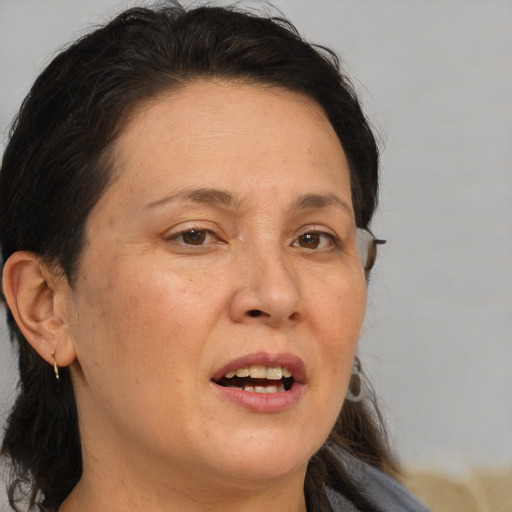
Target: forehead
243 135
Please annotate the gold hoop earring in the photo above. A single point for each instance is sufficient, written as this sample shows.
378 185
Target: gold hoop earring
55 367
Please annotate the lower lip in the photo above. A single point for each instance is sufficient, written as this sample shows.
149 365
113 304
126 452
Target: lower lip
262 402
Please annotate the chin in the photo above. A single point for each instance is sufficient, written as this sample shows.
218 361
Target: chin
261 456
260 471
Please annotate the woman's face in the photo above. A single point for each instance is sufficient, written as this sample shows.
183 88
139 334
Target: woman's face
226 244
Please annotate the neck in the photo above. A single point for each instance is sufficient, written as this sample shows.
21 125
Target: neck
129 496
118 484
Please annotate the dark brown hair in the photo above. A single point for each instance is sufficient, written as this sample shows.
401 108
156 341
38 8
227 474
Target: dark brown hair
57 164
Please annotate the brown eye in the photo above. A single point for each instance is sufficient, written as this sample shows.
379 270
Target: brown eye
315 240
194 236
309 240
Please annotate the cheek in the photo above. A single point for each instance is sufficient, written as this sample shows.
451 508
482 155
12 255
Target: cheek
140 332
337 314
339 305
141 318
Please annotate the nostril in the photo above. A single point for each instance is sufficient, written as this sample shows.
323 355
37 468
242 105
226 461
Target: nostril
255 312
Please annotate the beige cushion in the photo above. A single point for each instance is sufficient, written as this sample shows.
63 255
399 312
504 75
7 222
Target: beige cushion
481 491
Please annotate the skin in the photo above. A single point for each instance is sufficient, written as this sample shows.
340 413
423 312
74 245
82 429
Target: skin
151 317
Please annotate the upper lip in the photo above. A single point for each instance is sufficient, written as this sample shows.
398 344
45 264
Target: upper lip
287 360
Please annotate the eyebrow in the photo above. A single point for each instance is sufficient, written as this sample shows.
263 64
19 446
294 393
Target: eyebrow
318 201
211 196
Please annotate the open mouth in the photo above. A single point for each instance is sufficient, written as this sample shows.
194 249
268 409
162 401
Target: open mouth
258 379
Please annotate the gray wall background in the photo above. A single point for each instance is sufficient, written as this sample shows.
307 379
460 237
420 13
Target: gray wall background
436 80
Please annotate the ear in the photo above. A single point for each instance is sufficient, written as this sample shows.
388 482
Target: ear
38 300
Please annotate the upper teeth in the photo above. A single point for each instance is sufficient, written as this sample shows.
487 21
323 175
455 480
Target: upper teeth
258 371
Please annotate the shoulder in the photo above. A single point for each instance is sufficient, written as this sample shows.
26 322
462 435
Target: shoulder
382 490
388 494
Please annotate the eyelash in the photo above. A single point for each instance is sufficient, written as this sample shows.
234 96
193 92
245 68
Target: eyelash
205 232
333 241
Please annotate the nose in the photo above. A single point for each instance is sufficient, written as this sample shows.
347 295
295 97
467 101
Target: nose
267 291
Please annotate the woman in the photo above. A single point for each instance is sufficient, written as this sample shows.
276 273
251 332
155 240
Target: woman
185 199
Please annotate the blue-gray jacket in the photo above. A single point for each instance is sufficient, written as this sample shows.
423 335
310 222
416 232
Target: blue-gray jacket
383 491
